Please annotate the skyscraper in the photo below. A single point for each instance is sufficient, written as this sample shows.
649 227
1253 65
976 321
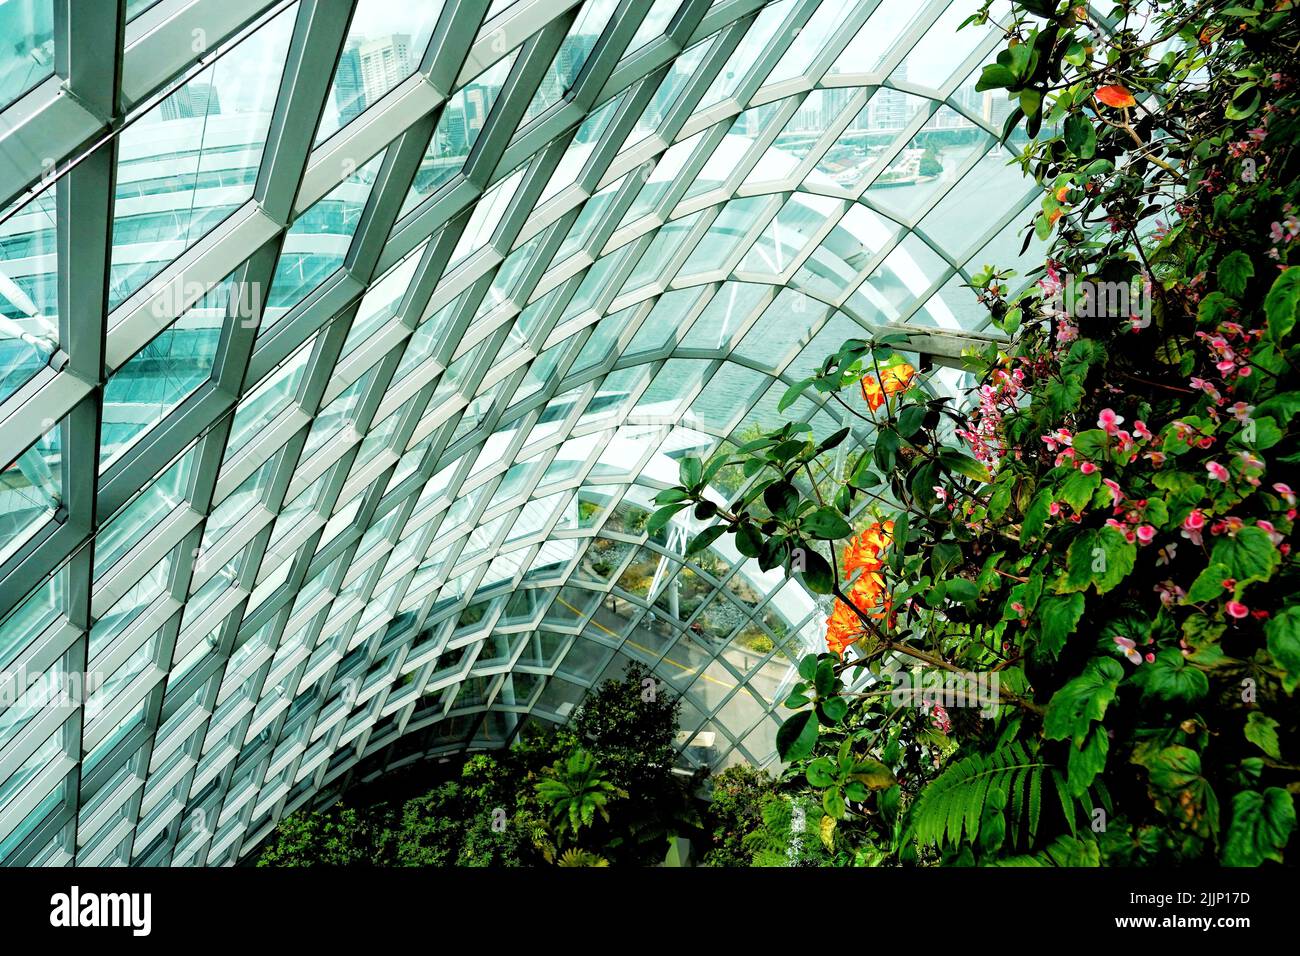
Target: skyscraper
384 62
192 100
349 92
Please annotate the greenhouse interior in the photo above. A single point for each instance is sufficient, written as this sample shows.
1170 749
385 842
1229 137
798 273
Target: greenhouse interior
626 433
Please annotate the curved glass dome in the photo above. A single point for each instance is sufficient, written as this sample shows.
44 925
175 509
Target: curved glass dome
343 348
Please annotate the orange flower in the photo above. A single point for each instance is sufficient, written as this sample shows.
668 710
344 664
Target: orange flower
1062 193
1116 96
862 553
895 379
844 626
863 550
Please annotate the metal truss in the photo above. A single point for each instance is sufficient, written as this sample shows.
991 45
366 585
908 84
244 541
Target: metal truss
345 345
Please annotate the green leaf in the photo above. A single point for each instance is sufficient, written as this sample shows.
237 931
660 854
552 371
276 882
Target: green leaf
963 464
690 469
1261 730
781 498
962 591
1280 304
1180 791
910 420
796 737
1249 555
833 803
661 517
994 77
1090 443
886 450
749 541
792 394
1077 489
1170 678
1101 557
1261 826
1080 701
834 709
1087 761
1283 633
831 441
705 538
821 773
817 573
1058 614
1036 515
1244 102
671 495
808 666
1235 270
826 523
1080 136
824 679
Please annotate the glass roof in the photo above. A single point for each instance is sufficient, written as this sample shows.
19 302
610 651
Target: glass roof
343 349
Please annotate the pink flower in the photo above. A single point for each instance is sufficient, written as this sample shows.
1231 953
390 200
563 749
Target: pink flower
1169 593
1192 526
1140 429
1167 553
940 718
1241 411
1285 491
1087 468
1273 533
1109 421
1217 471
1116 496
1146 533
1237 609
1129 649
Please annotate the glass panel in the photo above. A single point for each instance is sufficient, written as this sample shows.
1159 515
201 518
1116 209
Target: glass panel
190 161
160 376
385 44
29 306
31 490
577 46
317 242
27 54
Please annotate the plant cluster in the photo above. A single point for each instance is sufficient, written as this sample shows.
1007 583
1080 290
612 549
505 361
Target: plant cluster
599 791
1102 536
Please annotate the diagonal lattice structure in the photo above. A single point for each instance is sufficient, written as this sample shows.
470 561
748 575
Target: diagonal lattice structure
344 345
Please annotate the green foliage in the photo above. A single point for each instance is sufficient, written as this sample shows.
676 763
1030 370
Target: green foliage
952 808
1107 524
599 791
736 809
574 793
339 836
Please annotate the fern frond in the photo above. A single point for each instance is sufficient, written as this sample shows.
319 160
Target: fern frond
950 807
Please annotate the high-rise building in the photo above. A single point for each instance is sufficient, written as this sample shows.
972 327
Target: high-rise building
192 100
384 62
349 86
